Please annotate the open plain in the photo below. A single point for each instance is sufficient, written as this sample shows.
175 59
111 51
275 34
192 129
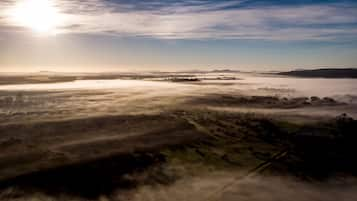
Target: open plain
177 136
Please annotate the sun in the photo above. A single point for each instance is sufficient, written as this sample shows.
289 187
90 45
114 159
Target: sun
42 16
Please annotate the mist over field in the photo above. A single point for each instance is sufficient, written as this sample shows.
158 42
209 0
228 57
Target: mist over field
177 136
152 95
178 100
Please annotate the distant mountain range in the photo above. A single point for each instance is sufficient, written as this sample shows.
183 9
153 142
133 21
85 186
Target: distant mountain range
323 73
225 71
308 73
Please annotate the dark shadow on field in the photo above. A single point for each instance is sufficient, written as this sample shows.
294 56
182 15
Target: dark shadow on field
315 151
99 154
320 150
90 179
223 140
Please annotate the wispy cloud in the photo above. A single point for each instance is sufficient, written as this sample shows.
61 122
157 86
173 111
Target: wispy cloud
198 19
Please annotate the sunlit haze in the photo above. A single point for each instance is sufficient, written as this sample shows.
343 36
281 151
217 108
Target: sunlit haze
39 15
176 35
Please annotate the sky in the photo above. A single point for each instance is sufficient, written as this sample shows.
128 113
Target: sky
176 35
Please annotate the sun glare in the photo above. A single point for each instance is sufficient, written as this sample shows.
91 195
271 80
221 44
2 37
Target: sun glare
42 16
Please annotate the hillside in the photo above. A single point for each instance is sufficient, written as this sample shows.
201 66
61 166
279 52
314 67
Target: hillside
323 73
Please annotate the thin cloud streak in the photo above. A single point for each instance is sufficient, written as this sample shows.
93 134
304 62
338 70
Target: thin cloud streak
201 20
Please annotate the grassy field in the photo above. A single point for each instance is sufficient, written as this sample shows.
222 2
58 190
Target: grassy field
164 140
103 156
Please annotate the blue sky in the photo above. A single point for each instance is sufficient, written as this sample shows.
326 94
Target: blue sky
102 35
